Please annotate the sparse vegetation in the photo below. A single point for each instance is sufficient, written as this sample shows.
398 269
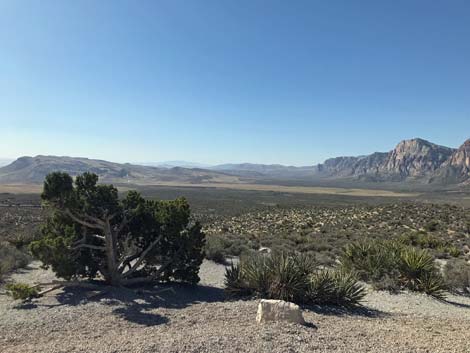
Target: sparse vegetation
292 277
457 276
22 291
392 265
11 258
324 231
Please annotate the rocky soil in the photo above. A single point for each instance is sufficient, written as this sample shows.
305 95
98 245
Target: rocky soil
199 319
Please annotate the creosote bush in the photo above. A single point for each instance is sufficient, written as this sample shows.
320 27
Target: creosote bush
22 291
292 277
11 258
394 266
457 276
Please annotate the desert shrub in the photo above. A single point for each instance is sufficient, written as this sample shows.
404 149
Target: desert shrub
334 287
457 276
215 248
453 251
392 265
11 258
22 291
292 277
432 225
287 277
371 260
418 272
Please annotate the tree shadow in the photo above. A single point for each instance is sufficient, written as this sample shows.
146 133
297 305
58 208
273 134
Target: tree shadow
135 305
457 304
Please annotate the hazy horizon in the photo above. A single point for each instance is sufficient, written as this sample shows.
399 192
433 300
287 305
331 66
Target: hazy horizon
220 82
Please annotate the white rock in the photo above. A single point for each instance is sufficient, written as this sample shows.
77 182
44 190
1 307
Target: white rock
279 310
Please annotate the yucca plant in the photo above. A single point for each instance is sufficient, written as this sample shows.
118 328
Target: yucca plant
288 281
432 284
335 287
414 264
235 285
292 277
321 287
256 274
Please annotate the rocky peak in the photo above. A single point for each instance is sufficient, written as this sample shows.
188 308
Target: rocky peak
416 158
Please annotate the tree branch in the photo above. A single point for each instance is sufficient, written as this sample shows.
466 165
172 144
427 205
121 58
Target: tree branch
82 222
88 246
142 256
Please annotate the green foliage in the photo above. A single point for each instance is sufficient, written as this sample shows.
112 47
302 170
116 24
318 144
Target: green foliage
215 248
371 260
287 280
335 287
86 218
432 225
22 291
294 278
392 265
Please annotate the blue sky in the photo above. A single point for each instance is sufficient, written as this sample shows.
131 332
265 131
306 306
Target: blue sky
214 81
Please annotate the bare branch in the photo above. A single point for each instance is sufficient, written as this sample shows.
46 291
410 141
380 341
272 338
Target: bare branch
127 261
88 246
142 256
82 222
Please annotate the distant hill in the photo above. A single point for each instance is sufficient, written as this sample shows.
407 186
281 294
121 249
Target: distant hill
267 170
182 164
32 170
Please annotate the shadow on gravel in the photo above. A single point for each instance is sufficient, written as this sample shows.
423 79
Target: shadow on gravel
136 305
457 304
354 311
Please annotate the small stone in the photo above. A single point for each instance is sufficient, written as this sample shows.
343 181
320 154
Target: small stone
279 310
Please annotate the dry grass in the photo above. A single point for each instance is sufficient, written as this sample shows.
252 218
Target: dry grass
36 188
21 188
295 189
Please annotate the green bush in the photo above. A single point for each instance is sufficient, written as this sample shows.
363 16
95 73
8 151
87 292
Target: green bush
418 273
215 249
22 291
292 277
334 288
393 266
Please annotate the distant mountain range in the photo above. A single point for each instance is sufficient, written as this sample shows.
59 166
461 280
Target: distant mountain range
415 160
32 170
410 160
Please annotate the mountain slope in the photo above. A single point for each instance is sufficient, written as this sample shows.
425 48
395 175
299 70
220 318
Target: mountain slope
32 170
266 170
456 168
414 159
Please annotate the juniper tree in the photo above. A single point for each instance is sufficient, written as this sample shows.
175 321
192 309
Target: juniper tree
91 233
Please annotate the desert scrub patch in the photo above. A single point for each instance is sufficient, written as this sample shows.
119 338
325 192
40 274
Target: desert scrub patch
11 258
22 291
393 266
457 276
292 277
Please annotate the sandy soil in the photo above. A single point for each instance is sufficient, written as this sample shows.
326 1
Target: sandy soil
199 319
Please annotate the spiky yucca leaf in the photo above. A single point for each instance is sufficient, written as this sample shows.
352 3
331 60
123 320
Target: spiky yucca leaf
288 281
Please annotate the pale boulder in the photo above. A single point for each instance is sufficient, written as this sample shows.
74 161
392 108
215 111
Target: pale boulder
279 310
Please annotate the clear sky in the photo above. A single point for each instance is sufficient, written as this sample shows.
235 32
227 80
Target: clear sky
214 81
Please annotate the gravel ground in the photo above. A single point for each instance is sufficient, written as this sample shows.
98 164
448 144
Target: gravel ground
197 319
